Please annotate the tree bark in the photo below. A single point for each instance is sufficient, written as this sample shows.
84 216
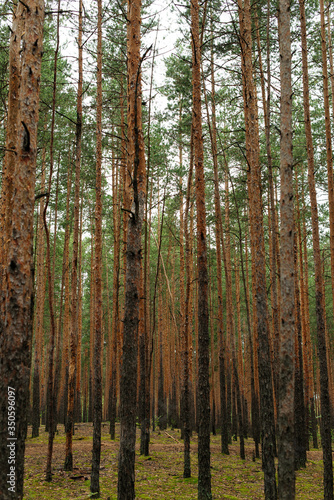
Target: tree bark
74 283
204 473
98 335
286 436
115 309
258 253
272 210
325 426
301 436
329 153
51 407
136 167
39 310
17 296
9 159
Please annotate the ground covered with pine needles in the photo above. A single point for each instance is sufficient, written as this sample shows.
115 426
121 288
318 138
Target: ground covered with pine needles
158 476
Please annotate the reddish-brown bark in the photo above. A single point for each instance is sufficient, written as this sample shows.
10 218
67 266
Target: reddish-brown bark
258 253
17 291
320 311
136 168
204 473
98 334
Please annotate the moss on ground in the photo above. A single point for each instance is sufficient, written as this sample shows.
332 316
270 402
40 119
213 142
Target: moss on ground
159 476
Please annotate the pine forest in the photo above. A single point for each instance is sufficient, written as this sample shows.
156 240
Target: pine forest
166 249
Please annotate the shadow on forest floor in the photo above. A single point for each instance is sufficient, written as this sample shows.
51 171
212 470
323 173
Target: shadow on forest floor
158 476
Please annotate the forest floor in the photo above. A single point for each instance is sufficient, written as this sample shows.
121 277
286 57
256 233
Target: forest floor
158 476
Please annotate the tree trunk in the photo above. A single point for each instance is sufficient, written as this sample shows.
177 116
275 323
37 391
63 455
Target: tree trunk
78 408
230 318
204 473
286 436
320 311
301 437
329 153
62 395
219 241
39 311
9 159
136 167
308 344
98 335
186 329
17 296
74 284
51 407
258 253
115 309
272 209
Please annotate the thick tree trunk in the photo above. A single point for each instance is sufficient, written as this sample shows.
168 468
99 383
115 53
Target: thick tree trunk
98 335
136 167
320 311
286 436
9 159
17 293
258 253
204 473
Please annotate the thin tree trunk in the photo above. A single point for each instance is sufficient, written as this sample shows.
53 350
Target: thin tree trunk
230 315
146 364
78 408
62 397
301 437
254 394
186 304
219 242
50 392
304 370
115 310
74 284
272 209
39 311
